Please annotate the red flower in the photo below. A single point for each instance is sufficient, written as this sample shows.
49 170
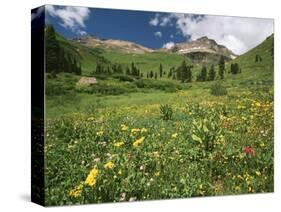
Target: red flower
249 151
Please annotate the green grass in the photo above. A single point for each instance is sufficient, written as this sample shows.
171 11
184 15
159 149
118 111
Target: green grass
148 61
109 142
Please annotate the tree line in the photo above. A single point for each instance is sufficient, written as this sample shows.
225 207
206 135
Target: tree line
57 59
210 75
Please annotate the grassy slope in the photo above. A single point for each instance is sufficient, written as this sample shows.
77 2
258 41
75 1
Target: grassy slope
255 71
148 61
252 74
89 57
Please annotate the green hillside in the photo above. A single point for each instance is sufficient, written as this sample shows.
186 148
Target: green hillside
148 61
255 71
251 69
88 57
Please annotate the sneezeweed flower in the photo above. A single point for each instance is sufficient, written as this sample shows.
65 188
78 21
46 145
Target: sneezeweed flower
108 165
118 144
157 174
174 135
138 142
262 144
76 192
258 173
135 130
249 151
156 154
250 189
99 133
241 107
257 104
237 188
91 119
124 127
143 130
92 177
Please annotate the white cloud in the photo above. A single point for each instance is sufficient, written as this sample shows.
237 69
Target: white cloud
161 20
168 45
81 32
155 20
72 18
166 20
158 34
236 33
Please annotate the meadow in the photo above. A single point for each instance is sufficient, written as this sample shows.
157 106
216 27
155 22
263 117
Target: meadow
158 139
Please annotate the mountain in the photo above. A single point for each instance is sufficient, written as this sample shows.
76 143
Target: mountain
203 50
110 44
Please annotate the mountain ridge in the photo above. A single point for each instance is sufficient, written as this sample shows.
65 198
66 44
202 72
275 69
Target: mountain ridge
200 50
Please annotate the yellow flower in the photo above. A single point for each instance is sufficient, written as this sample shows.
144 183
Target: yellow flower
99 133
124 127
91 119
138 142
143 130
240 177
237 188
76 192
157 174
135 130
118 144
92 177
156 154
249 189
174 135
258 173
241 107
258 104
108 165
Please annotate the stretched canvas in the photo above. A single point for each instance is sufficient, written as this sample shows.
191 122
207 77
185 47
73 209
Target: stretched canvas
137 105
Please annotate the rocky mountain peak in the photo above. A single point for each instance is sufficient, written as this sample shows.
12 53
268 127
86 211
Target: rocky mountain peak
203 49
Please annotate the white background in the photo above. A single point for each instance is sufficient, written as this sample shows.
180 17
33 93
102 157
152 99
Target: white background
15 104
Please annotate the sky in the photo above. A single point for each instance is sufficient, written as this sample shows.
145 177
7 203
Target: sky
159 29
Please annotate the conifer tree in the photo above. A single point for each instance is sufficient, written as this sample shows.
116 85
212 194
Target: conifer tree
52 50
221 67
203 74
212 73
151 74
160 70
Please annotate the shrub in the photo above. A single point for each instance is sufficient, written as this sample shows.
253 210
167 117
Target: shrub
217 89
158 85
166 112
123 77
104 88
59 84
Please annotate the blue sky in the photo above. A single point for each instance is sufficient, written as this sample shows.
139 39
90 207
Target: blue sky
158 29
124 25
